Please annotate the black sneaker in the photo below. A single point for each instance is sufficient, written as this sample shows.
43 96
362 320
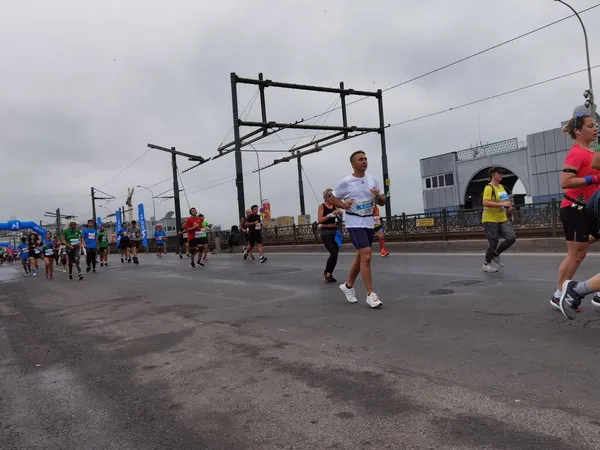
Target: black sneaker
70 277
180 256
596 300
80 277
122 260
262 259
570 300
200 264
192 265
101 264
245 255
328 278
94 271
129 260
87 269
135 260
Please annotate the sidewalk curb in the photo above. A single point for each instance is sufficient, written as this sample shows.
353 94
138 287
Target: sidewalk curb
529 245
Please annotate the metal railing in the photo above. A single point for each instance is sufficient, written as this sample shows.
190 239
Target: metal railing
529 220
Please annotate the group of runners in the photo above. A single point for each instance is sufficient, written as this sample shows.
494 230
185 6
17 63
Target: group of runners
579 215
64 250
357 197
7 254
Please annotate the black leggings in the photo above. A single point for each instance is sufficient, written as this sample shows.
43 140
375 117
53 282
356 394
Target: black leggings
73 255
328 237
90 258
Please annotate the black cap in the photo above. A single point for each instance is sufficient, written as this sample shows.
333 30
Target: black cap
495 170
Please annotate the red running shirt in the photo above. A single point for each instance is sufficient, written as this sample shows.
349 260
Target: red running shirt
581 159
190 223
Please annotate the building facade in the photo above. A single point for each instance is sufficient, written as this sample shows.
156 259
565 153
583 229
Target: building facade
456 180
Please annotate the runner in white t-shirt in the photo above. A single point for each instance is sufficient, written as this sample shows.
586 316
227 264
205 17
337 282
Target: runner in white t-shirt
357 194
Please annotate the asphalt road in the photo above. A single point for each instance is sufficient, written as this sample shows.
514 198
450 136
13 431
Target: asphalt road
242 355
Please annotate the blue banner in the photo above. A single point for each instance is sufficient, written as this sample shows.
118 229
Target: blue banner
99 220
142 219
119 225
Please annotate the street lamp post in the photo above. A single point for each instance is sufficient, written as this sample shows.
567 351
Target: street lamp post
259 178
153 205
589 95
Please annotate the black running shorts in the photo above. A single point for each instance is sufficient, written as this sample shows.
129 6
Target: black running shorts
578 225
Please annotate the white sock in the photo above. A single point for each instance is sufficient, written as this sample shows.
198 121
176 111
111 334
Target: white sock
558 293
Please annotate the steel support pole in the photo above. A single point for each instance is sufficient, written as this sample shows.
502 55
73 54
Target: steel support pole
176 188
58 230
239 174
343 105
93 205
259 175
301 187
263 106
384 161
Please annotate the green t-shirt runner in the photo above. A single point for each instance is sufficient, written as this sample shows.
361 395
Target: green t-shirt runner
205 226
103 239
72 237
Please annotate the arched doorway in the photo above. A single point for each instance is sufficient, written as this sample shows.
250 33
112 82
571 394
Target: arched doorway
479 182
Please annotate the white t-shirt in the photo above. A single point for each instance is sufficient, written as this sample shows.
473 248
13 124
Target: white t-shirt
359 190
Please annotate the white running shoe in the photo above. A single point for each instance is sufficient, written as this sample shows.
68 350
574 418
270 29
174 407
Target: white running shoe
498 261
373 300
489 268
349 293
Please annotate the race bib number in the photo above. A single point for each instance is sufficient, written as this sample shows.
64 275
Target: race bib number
91 235
49 252
159 238
504 197
36 251
364 207
377 221
199 234
257 227
74 241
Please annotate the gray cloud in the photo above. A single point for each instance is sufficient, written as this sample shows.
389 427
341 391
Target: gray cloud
86 88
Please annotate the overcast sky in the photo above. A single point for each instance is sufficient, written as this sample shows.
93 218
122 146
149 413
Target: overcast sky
86 85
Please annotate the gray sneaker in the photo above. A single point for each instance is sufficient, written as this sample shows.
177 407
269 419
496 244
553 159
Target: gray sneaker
489 268
498 261
570 299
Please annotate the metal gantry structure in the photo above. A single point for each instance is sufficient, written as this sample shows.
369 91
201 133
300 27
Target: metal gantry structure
58 217
94 198
174 153
266 128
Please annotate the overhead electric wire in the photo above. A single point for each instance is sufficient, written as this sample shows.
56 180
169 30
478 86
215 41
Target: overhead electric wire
310 184
252 99
329 109
183 189
292 138
512 91
466 58
218 182
125 168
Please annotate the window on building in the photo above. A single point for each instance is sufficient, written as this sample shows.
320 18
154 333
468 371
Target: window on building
434 181
427 183
449 179
441 180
